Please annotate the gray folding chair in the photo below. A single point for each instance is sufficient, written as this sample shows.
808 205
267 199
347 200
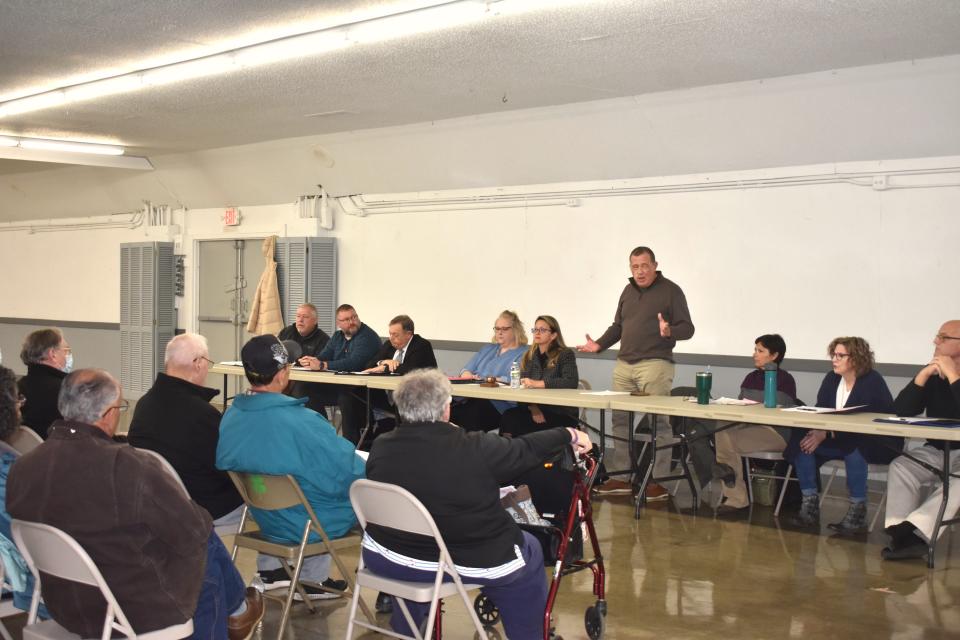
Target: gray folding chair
24 439
55 553
272 493
835 465
749 475
168 468
6 606
388 505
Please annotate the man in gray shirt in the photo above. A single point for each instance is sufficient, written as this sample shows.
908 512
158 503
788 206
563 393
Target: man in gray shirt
651 316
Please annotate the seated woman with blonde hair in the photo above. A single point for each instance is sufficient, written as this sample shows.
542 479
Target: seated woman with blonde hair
494 360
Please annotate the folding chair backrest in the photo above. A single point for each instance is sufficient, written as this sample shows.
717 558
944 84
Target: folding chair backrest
388 505
24 439
269 493
56 553
168 468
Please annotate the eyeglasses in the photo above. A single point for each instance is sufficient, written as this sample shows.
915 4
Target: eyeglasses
941 337
121 407
65 349
21 401
502 329
839 356
537 330
209 361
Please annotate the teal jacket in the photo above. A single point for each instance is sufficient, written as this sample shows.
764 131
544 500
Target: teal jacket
274 434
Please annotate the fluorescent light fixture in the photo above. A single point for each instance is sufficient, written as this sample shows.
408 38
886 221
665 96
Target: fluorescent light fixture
70 147
70 152
436 17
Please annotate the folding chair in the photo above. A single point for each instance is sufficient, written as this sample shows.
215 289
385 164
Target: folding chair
168 468
24 439
749 475
55 553
272 493
6 606
388 505
835 466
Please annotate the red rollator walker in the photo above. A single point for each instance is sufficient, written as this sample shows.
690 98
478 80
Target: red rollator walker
563 547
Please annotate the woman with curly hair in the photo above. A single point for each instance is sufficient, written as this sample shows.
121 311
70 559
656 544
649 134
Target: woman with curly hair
852 383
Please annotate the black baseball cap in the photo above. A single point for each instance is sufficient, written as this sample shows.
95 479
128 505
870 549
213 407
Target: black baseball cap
264 355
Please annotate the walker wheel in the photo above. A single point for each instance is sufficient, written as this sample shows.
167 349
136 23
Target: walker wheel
595 622
486 610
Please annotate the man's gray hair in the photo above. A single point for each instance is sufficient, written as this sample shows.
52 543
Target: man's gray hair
423 395
86 393
184 349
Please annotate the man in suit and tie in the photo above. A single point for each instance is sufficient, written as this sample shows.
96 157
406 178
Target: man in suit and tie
402 351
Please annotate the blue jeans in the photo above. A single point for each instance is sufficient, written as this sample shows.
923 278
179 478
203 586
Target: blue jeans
520 596
807 466
222 593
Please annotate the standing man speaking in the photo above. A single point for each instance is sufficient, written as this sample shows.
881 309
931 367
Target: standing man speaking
651 316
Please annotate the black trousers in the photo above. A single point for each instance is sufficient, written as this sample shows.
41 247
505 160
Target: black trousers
519 421
474 414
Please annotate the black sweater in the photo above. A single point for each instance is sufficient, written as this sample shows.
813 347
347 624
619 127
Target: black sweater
457 476
175 419
40 387
938 397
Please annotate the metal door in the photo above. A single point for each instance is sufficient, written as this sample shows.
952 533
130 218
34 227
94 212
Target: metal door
229 271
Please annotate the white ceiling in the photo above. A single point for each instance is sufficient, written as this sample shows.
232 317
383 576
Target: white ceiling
568 53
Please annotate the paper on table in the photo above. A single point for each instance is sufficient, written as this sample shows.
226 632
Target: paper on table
805 409
606 393
724 400
232 363
362 454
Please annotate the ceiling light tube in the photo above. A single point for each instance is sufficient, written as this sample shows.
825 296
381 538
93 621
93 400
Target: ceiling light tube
436 17
70 147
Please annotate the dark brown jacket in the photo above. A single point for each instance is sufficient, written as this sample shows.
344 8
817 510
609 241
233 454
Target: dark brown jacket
148 540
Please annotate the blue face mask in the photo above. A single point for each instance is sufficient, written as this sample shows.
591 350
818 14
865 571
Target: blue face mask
68 365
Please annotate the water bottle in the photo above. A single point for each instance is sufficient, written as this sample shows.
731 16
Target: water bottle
770 385
515 375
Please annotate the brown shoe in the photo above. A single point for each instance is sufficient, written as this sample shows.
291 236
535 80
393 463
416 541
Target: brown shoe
613 487
656 492
241 627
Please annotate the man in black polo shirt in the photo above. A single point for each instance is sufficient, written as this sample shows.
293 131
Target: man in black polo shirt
312 339
914 493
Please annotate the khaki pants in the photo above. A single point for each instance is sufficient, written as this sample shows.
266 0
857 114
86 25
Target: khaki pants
654 377
743 440
915 493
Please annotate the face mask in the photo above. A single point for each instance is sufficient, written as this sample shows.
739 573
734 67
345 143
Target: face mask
68 365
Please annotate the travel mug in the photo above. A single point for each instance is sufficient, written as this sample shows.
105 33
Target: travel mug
704 382
770 385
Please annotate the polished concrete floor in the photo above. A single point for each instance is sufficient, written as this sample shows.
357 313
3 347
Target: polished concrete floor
672 574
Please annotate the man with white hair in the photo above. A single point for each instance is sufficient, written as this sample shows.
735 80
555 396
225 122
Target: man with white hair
175 419
915 492
154 546
457 476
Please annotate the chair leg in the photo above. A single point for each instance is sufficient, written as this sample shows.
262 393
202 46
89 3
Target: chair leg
749 478
880 507
783 490
4 633
826 489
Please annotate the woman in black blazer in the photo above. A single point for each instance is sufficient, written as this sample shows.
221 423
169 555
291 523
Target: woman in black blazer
547 364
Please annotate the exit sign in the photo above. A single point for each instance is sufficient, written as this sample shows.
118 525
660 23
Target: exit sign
231 217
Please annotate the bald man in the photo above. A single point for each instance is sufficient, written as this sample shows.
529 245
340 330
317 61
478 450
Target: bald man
175 419
914 493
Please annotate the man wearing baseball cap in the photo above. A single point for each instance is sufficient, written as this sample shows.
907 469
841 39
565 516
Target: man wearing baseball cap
267 432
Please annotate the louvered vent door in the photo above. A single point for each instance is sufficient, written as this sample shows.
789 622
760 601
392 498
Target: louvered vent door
147 314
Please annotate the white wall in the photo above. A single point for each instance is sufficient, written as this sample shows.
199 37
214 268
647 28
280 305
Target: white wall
812 261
